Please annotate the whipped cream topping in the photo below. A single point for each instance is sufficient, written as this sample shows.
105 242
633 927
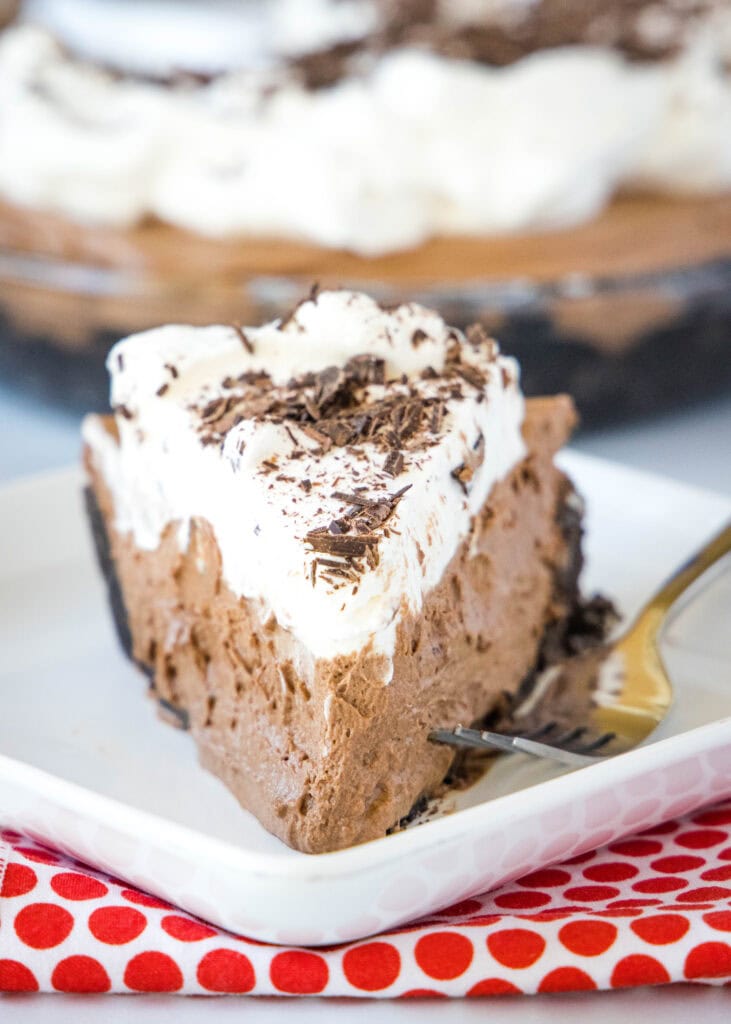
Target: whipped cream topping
337 535
409 145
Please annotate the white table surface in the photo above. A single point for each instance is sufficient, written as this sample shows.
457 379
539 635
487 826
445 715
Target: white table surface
693 446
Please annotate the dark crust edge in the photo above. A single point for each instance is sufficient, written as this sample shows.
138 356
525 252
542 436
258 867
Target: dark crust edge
173 715
105 561
169 712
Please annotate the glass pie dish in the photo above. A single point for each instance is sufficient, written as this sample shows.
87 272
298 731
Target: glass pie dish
630 313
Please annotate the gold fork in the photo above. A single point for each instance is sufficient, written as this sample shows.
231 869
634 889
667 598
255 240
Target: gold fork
604 701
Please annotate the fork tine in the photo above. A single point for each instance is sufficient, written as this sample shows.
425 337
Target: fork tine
569 737
542 732
601 741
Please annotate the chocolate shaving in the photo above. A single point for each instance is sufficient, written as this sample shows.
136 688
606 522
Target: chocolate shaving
354 547
477 335
472 375
339 431
358 499
394 463
418 337
123 410
291 436
172 370
213 409
162 389
463 475
316 435
372 558
436 417
366 369
244 340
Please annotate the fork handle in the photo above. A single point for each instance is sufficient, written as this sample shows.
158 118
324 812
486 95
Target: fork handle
473 739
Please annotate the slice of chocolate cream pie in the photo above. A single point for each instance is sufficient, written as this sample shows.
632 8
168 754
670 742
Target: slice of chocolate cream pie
325 537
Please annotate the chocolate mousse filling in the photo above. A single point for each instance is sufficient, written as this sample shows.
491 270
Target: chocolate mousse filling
339 758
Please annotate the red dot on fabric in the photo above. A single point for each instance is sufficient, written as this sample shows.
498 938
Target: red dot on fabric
724 854
661 929
660 884
567 979
588 938
661 830
581 858
80 974
482 920
494 987
681 862
43 925
639 970
717 874
225 970
545 879
444 955
709 960
73 886
704 894
516 947
15 977
153 972
631 903
700 839
19 879
143 899
40 856
422 993
185 930
372 967
718 816
299 972
629 912
616 872
636 847
719 919
548 915
461 909
117 925
591 893
522 900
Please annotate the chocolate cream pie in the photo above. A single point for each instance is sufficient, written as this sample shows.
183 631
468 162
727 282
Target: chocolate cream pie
557 168
325 537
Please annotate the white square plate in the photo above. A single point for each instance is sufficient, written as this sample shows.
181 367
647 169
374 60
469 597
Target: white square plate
86 765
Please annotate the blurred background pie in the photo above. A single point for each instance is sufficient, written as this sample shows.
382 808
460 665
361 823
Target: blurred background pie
559 169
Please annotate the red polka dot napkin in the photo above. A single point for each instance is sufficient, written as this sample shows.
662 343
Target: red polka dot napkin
644 911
